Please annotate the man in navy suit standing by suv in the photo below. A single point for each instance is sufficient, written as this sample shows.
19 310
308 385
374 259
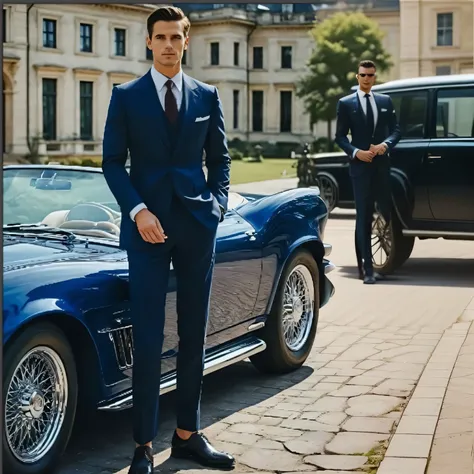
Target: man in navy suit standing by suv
373 125
170 212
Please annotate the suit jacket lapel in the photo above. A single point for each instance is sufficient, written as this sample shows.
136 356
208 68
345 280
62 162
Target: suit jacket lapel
358 106
379 114
152 102
190 98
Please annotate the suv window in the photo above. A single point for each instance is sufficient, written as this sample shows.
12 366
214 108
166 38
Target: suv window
410 107
455 112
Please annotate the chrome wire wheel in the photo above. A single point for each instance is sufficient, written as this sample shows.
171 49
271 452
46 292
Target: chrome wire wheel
298 307
35 404
328 192
381 241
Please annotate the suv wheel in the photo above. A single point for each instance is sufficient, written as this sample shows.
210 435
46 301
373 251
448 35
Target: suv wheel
390 248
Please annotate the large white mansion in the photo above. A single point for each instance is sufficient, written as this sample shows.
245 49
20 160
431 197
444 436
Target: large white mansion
61 62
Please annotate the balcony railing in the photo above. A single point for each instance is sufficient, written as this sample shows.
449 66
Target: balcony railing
259 18
70 147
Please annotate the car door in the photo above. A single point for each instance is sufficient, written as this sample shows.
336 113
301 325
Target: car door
408 157
235 286
236 278
450 157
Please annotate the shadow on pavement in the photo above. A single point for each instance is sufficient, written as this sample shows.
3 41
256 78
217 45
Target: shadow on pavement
456 272
104 445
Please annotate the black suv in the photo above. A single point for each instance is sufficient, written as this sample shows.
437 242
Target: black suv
432 167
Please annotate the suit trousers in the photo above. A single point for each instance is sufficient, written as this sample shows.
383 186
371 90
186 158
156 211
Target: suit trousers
191 248
372 185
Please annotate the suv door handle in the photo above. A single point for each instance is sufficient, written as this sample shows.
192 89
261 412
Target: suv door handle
434 157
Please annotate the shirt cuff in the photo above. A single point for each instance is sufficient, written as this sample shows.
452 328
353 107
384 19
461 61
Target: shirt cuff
354 153
136 210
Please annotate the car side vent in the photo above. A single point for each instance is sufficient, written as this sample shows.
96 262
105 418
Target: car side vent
122 340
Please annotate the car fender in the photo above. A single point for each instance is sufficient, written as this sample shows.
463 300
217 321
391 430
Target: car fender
402 196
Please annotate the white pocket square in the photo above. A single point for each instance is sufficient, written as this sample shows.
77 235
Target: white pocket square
384 110
201 119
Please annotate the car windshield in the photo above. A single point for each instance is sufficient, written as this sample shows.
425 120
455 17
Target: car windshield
70 199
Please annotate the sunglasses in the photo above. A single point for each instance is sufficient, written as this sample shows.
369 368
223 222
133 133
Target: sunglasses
363 74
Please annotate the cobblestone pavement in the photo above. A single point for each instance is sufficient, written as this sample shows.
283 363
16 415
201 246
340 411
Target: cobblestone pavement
376 378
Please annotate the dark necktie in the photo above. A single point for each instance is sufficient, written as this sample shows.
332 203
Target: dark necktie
370 115
171 108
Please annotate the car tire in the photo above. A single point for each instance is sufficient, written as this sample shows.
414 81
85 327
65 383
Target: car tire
400 246
329 188
283 355
45 351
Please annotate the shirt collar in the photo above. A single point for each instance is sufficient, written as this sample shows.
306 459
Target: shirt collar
160 79
362 94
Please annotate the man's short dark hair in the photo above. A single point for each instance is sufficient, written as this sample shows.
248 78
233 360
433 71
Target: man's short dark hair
167 13
367 63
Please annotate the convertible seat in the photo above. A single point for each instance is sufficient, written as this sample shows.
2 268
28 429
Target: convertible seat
55 218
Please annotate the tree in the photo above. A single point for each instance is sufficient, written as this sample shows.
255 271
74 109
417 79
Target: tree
342 41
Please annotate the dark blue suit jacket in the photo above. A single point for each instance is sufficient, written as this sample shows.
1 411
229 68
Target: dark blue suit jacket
351 117
163 163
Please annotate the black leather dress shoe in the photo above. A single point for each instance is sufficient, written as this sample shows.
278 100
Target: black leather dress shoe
142 462
369 280
198 448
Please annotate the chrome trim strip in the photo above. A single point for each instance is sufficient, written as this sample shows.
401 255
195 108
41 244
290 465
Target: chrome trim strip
255 326
329 267
217 361
437 234
327 249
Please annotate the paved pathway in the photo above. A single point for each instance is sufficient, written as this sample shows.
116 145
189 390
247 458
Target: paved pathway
384 359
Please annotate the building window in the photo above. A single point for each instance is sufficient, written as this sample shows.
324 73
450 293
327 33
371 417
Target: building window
149 54
257 111
443 70
236 54
86 38
120 45
184 59
444 29
455 113
4 34
286 53
285 111
214 54
286 11
258 57
49 108
236 109
86 107
49 33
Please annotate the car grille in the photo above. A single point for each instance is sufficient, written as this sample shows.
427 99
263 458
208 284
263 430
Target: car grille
122 340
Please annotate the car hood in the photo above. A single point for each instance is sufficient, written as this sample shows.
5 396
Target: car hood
22 253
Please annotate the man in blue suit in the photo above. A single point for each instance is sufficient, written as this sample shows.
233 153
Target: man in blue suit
170 212
372 122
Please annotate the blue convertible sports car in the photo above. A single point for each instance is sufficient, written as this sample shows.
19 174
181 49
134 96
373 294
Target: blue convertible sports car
67 330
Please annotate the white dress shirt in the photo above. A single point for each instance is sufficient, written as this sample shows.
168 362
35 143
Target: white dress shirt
363 103
161 89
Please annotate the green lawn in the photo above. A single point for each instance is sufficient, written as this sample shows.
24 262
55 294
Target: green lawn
271 168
